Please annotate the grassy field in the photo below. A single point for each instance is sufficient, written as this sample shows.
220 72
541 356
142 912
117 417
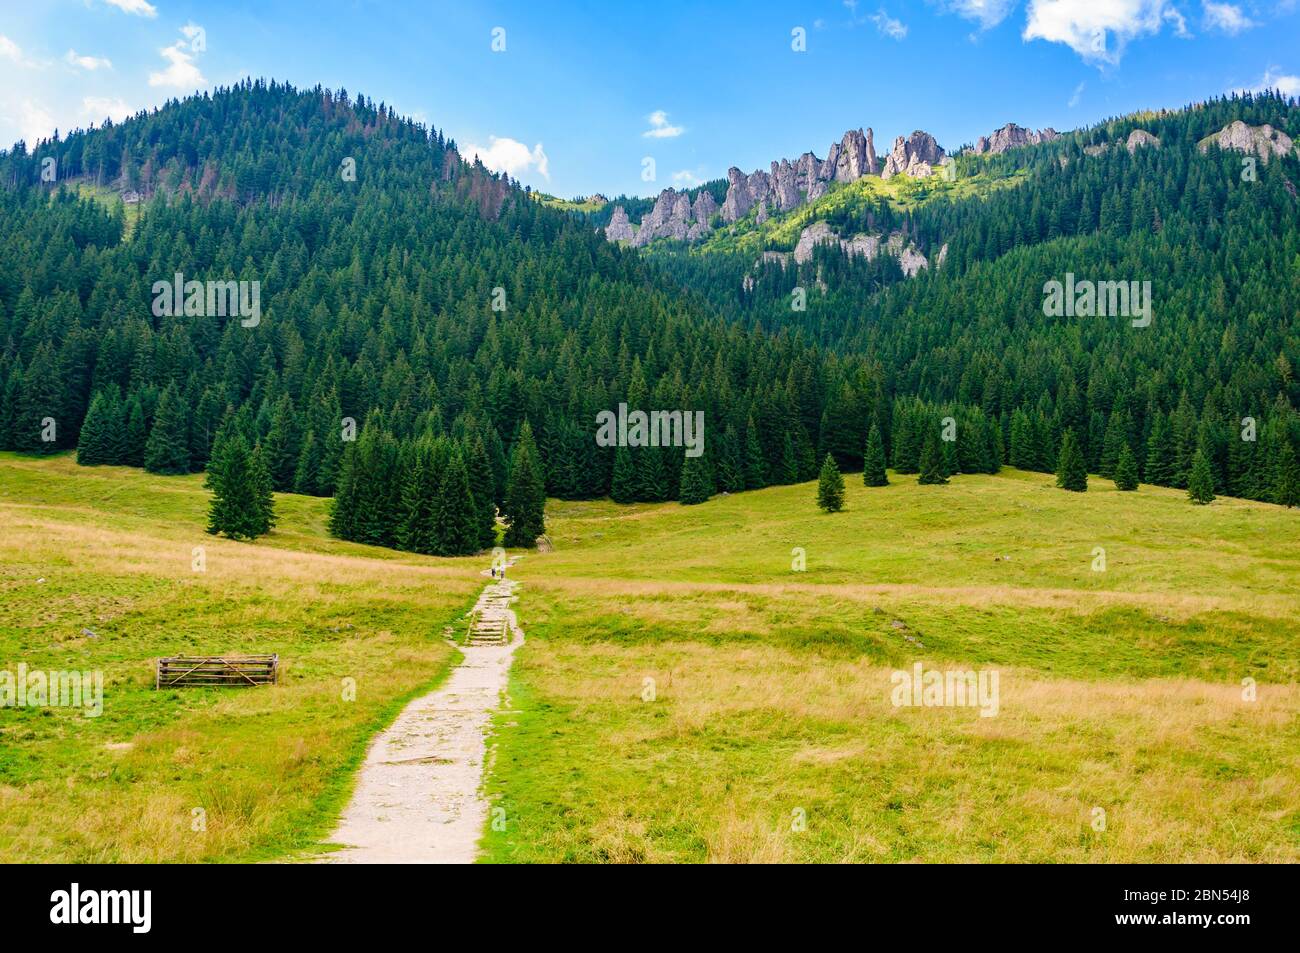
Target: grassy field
684 693
767 730
110 551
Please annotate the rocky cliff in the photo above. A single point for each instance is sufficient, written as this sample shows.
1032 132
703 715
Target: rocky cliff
1012 136
1263 141
785 185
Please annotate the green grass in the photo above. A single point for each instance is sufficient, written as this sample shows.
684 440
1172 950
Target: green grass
1120 690
111 550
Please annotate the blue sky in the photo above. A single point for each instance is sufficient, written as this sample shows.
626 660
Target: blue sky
583 92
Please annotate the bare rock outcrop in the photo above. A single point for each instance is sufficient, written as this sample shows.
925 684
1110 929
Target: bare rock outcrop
1263 141
1140 138
1012 136
916 156
619 228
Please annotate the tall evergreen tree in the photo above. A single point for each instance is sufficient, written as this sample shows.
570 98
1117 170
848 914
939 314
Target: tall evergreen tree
101 432
873 472
168 447
236 508
525 505
931 466
1126 474
1071 471
479 471
697 481
830 486
1286 480
457 532
1200 482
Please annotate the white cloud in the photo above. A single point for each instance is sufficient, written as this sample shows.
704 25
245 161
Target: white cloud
989 13
894 29
98 108
660 128
1076 95
686 178
1227 17
139 8
10 50
1286 84
30 119
511 156
87 62
181 71
1099 30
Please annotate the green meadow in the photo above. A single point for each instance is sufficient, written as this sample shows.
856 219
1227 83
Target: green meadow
708 683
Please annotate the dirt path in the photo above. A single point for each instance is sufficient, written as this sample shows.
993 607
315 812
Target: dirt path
418 799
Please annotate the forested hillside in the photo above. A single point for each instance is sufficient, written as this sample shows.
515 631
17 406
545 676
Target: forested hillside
427 308
425 293
1217 236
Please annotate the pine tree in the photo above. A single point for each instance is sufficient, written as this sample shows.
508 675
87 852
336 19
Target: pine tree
755 466
524 510
418 529
1200 482
873 460
235 509
259 480
830 486
623 484
308 466
1286 480
101 436
931 466
168 448
457 532
697 481
1071 471
1126 473
479 471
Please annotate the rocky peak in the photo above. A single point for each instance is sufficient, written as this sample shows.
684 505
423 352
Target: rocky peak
619 228
1012 136
917 156
1140 138
1263 141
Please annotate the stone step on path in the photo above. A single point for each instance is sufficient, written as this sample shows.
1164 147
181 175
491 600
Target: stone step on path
419 793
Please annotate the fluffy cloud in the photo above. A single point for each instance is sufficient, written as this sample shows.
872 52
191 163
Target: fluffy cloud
74 58
660 128
98 108
1288 85
181 72
686 179
989 13
139 8
1099 30
894 29
1227 18
511 156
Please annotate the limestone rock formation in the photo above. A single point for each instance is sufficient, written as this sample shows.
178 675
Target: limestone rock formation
1012 136
917 156
1139 138
1263 141
619 228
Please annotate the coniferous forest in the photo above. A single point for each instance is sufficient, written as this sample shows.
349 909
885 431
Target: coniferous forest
433 346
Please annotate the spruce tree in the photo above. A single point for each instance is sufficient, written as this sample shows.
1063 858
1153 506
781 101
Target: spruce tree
457 533
308 466
479 471
873 460
1200 481
524 510
259 479
623 484
168 448
235 508
100 432
697 481
1126 473
418 529
754 465
931 465
1286 480
1071 471
830 486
